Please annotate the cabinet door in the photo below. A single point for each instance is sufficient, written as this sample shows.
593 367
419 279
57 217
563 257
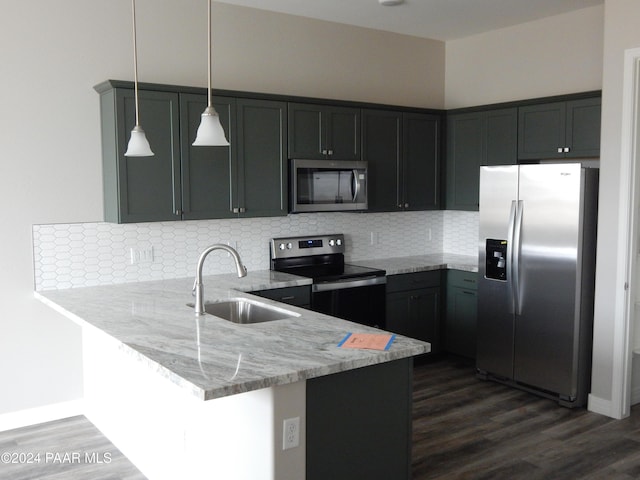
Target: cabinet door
142 189
262 162
343 133
501 137
424 316
421 161
416 314
461 313
381 142
305 135
583 127
541 131
465 154
208 173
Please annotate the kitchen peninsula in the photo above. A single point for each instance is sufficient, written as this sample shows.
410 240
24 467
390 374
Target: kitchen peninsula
201 397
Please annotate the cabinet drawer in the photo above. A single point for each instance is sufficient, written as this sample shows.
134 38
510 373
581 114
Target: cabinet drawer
412 281
299 296
462 279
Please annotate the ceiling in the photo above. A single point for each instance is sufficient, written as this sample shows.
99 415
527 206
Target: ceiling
437 19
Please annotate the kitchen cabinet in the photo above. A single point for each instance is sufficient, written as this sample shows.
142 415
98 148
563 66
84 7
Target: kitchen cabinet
413 306
323 132
474 139
140 189
247 178
568 129
459 334
298 296
359 423
403 152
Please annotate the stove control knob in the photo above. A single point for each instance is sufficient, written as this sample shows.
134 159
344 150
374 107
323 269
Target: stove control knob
339 242
332 242
281 246
289 246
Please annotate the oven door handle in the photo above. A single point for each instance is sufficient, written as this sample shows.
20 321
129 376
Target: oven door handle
348 283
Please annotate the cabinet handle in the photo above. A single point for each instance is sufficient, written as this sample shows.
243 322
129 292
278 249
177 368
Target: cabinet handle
559 149
330 152
242 209
178 212
466 292
290 297
235 210
324 152
406 205
566 149
468 280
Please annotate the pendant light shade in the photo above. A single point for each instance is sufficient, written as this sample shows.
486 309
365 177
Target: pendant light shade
210 131
138 144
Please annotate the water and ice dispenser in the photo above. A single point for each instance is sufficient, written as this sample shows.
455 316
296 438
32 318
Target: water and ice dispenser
496 259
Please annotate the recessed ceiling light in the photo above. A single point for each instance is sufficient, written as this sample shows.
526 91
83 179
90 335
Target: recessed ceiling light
390 2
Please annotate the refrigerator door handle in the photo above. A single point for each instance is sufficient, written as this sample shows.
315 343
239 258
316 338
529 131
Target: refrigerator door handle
515 263
510 244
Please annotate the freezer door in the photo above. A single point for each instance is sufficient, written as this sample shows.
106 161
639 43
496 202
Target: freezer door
549 244
498 198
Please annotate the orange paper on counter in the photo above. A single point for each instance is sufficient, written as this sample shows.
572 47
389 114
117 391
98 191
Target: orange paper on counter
371 341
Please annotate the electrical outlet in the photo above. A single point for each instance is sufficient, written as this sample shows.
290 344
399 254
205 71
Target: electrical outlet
141 255
290 433
374 238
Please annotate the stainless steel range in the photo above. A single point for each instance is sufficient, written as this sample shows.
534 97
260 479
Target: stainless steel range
347 291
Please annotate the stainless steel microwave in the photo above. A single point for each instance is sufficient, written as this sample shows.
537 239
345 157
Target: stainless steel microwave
327 186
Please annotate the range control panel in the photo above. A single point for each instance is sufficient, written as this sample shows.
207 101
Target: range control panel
286 247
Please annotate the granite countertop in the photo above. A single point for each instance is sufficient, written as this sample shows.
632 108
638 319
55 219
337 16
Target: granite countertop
210 357
421 263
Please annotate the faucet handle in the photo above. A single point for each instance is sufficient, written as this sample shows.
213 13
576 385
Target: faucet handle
193 290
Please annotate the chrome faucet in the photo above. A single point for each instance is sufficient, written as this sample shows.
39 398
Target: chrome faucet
197 285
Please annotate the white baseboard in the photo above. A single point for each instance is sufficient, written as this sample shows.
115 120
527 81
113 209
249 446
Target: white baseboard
47 413
600 405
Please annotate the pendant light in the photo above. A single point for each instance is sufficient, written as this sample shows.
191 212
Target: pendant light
210 131
138 144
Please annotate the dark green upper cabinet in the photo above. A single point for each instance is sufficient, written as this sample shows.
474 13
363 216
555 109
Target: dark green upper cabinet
381 148
262 160
323 132
208 173
247 178
475 139
421 173
568 129
403 153
140 189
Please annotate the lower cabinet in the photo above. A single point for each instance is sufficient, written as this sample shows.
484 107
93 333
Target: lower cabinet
461 313
413 306
359 423
298 296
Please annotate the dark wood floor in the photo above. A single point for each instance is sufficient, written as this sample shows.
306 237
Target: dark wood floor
463 428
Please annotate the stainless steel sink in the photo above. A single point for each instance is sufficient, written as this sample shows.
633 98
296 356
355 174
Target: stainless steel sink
242 310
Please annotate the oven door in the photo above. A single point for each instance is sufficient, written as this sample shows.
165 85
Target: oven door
361 300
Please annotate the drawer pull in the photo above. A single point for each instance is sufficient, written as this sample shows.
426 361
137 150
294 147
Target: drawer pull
290 297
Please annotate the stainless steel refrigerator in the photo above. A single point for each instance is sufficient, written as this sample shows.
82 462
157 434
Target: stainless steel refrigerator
536 278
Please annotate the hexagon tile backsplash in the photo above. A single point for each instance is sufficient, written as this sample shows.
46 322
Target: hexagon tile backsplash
85 254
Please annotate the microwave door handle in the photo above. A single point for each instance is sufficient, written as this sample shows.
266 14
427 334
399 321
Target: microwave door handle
355 185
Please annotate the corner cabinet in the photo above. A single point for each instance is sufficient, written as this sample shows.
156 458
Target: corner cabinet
568 129
413 306
247 178
403 151
324 132
474 139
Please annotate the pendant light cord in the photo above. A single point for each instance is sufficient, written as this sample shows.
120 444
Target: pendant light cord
135 59
209 51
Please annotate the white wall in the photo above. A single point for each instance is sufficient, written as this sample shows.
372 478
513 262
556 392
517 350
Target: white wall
551 56
53 53
622 18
